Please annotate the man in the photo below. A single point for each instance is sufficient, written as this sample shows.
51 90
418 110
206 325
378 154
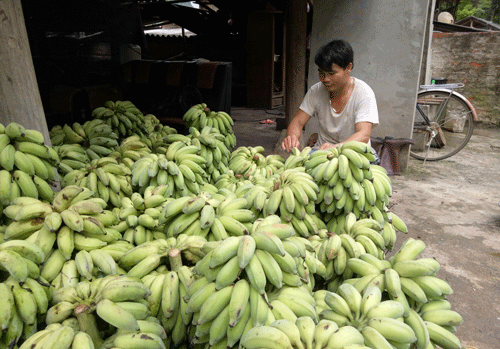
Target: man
345 106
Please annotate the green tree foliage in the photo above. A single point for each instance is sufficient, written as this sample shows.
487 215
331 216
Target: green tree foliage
485 9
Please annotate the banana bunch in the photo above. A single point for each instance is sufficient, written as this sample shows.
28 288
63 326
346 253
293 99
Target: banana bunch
370 234
221 316
156 142
414 277
434 322
298 299
78 221
181 168
406 279
212 217
148 256
130 149
213 149
23 307
293 199
388 228
297 158
200 116
231 181
349 182
139 215
167 304
269 258
250 161
58 336
106 177
118 301
327 247
302 333
83 143
192 116
85 266
73 156
21 259
24 217
27 165
256 195
123 117
153 125
381 322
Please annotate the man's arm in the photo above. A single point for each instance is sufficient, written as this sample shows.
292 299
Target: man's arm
294 130
362 133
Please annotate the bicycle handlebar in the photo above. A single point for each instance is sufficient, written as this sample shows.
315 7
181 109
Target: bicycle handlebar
442 86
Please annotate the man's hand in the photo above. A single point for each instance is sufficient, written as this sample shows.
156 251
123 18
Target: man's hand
290 142
325 146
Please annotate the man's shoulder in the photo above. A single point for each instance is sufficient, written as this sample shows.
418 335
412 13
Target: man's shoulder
362 83
363 87
316 89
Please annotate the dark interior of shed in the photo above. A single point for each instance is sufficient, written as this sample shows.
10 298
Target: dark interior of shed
77 50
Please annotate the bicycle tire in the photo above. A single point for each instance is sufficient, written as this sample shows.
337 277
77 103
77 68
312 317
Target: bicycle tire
454 129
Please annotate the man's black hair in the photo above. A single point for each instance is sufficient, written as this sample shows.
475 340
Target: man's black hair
336 51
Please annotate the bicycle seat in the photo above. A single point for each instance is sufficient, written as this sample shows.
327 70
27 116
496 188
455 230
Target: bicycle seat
441 86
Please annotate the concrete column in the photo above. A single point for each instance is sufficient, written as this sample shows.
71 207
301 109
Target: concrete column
295 56
20 98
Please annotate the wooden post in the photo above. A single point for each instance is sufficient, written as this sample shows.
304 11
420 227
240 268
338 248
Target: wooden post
20 99
295 48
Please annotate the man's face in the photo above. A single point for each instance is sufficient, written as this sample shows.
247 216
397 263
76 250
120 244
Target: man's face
335 79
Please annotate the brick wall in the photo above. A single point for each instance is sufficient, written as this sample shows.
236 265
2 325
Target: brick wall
474 59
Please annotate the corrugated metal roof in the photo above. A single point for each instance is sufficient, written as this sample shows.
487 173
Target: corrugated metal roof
169 32
476 22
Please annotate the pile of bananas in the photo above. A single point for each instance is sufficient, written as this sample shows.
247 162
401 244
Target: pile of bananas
200 116
27 165
161 239
124 118
250 161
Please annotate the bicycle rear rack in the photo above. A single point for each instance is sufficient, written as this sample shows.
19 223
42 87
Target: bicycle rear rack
441 86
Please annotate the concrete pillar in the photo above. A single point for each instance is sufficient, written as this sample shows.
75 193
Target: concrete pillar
20 98
295 56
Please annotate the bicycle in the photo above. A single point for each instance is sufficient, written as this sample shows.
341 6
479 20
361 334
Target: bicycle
443 124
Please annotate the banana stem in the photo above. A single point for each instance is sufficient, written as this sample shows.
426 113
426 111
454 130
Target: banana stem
174 256
87 323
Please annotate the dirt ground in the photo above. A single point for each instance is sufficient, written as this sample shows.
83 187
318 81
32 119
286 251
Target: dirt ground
453 206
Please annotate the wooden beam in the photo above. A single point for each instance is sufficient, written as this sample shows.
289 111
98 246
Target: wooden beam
20 99
295 56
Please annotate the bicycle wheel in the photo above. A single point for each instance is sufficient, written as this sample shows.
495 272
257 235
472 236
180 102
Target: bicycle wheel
451 126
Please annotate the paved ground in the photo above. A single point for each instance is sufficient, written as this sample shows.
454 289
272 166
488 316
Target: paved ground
453 206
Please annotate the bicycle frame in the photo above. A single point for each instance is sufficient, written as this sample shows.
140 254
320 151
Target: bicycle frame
449 88
432 126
